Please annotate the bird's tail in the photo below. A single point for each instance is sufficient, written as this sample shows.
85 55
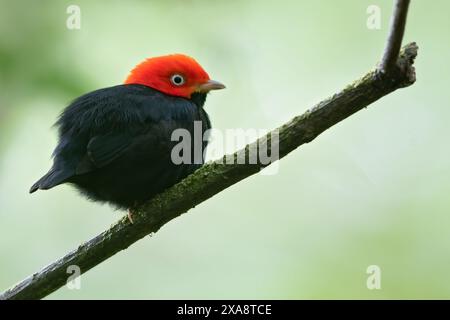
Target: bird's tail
50 180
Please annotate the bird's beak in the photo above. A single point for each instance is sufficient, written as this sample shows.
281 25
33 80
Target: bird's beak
210 85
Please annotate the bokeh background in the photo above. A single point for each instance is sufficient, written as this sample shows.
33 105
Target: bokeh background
373 190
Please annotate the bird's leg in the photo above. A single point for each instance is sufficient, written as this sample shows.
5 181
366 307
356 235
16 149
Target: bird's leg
130 212
130 216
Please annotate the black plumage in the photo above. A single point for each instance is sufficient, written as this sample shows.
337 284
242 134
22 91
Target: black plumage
115 143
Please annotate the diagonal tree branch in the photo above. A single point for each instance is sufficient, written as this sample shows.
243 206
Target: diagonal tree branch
214 177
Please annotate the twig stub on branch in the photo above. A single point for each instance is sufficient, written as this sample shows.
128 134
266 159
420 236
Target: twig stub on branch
395 37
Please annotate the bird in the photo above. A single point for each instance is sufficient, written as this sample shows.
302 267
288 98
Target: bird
114 144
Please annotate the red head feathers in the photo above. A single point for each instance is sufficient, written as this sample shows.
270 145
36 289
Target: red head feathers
175 74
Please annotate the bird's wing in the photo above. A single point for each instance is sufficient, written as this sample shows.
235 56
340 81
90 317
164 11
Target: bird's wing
102 150
99 127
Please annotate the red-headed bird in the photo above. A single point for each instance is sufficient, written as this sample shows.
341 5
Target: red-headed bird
115 143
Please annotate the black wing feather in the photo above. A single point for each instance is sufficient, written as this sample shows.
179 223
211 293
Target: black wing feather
102 150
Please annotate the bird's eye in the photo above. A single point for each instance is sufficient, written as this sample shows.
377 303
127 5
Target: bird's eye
177 79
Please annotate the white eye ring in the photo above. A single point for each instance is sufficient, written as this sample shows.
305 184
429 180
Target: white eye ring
177 79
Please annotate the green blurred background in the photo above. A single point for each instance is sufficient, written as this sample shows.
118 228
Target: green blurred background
371 190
